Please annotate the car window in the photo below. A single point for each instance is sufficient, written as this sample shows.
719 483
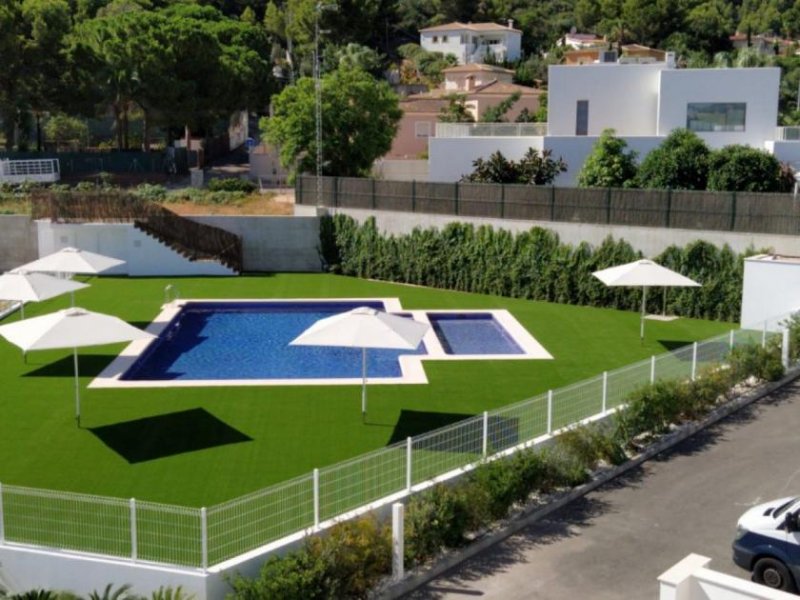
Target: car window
783 508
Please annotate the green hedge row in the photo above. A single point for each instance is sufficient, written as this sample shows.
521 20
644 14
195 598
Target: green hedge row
354 557
534 264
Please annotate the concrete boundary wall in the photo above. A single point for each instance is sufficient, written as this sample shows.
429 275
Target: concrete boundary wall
649 240
270 243
18 243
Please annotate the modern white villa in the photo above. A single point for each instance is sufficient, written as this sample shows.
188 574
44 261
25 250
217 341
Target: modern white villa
643 103
472 42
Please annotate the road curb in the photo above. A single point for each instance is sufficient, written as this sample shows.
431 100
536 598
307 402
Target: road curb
535 513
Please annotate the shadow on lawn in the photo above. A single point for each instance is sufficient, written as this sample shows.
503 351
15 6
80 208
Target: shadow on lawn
89 365
167 435
503 432
709 348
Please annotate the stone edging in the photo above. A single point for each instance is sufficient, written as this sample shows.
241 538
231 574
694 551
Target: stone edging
537 512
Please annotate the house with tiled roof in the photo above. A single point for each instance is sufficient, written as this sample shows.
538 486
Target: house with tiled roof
483 86
473 42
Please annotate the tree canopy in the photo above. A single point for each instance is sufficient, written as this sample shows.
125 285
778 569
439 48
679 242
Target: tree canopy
609 164
359 121
742 168
680 162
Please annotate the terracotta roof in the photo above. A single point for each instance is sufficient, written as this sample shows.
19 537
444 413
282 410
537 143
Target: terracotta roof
476 67
422 105
456 25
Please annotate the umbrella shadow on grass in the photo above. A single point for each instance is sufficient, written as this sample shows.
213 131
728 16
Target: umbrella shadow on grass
89 365
170 434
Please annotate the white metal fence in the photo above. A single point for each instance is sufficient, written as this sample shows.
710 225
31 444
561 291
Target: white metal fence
45 170
198 538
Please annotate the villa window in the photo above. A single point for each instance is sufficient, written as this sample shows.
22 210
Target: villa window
716 116
422 129
444 39
582 118
436 39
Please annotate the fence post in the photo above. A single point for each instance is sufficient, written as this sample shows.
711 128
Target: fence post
733 211
335 192
730 340
605 391
409 454
455 200
694 361
485 433
549 411
298 189
134 544
653 369
413 195
668 224
2 522
552 203
204 536
398 535
608 205
316 499
785 349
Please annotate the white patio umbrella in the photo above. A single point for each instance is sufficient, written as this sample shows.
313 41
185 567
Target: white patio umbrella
71 328
21 286
364 328
73 261
643 273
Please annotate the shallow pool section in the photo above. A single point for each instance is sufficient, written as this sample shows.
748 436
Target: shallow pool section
472 333
246 342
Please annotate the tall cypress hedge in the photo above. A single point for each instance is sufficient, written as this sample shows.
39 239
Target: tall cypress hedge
533 264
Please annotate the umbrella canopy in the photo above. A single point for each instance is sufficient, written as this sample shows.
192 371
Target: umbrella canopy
73 260
23 287
71 328
364 328
643 273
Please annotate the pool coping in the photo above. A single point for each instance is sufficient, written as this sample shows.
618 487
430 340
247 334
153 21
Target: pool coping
411 367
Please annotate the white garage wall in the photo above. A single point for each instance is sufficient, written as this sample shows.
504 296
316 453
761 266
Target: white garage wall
771 287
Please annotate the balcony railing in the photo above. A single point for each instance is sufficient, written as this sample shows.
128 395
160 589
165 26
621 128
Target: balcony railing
787 134
455 130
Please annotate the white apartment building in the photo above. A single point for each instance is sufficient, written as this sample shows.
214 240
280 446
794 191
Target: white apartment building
643 103
472 42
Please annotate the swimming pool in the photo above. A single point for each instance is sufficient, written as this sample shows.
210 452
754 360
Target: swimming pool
246 342
225 340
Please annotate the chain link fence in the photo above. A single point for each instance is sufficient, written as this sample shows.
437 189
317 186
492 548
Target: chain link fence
201 537
681 209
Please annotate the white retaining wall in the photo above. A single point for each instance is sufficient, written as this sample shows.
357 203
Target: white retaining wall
771 287
649 240
17 241
690 579
143 255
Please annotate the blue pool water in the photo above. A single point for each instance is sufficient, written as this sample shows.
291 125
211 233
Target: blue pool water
472 333
228 340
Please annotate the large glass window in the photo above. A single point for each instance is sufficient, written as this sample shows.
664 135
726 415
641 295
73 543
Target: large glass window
716 116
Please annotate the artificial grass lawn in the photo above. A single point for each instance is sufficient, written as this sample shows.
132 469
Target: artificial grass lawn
291 429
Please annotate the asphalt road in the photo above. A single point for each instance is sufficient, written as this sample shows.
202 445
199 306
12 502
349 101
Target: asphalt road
616 541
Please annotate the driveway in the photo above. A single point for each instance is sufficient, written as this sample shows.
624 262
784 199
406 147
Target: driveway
614 542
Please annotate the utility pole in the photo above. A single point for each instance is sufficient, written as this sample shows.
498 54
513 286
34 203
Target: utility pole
318 95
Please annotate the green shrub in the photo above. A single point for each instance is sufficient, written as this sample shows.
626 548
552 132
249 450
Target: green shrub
437 518
500 484
231 184
153 193
793 325
590 444
757 361
345 562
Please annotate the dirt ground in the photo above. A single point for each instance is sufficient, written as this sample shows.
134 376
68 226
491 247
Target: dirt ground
277 202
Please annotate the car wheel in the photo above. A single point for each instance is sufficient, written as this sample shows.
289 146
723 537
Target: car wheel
773 573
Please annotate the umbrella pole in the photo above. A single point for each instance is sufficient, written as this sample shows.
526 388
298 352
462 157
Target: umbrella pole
21 311
363 384
77 388
644 301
